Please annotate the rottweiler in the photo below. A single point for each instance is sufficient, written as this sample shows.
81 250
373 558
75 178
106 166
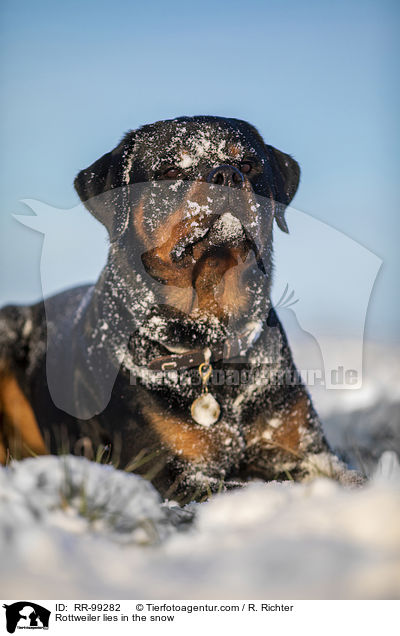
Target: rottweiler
174 363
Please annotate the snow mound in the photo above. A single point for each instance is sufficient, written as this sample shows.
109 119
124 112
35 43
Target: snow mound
74 529
80 496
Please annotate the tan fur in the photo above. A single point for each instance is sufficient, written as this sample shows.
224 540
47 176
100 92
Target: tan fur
19 433
234 151
183 299
184 439
138 222
282 431
231 294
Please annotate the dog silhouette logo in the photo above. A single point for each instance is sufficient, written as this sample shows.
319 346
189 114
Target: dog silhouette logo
26 615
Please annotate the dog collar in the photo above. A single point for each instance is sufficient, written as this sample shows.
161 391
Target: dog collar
190 358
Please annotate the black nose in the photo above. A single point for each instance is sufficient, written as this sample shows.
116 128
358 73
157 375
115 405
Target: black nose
227 176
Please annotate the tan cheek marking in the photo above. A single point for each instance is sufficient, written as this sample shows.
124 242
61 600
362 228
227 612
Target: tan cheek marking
166 237
138 224
20 432
182 438
162 240
157 258
160 244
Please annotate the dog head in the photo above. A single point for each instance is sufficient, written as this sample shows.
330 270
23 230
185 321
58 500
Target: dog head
194 198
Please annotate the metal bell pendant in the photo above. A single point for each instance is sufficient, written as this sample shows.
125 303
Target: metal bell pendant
205 410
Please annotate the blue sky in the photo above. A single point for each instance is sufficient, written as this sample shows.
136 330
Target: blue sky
319 80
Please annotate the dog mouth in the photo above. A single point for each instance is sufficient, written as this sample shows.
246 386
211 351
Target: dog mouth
224 234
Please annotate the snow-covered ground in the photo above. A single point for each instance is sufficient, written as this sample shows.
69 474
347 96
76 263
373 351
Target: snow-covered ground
74 529
361 424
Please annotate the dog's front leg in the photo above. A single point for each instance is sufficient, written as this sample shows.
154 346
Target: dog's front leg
288 443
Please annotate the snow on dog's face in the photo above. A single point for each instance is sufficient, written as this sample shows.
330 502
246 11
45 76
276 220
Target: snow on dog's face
194 198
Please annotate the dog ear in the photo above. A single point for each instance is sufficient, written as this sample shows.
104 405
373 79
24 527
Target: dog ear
286 177
284 173
110 172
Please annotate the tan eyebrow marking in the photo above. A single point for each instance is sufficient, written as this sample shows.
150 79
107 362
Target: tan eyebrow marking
234 150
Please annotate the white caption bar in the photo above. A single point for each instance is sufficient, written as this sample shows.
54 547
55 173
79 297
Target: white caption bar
181 617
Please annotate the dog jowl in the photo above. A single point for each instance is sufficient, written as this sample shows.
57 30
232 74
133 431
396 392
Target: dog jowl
174 361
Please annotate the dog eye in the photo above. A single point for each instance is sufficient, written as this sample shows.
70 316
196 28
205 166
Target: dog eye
172 173
245 167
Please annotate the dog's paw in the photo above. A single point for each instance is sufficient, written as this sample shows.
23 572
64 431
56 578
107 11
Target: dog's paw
328 465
